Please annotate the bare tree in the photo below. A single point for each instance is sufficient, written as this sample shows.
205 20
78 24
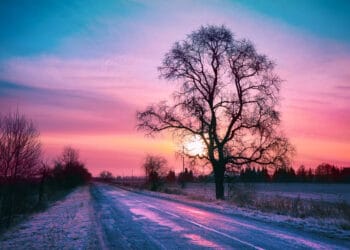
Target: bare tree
106 175
44 171
69 169
227 96
154 163
20 148
20 152
69 156
155 167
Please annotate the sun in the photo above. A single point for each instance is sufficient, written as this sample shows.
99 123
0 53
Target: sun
194 146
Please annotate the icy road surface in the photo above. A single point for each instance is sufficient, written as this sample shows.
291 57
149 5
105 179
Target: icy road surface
107 217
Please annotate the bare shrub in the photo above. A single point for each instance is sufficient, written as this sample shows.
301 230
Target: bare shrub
155 168
106 176
241 193
69 171
169 190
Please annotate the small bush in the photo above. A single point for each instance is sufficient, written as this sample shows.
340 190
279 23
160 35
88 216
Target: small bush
345 209
241 193
168 190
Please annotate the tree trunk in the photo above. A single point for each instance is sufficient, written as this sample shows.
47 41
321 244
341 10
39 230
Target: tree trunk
219 171
41 188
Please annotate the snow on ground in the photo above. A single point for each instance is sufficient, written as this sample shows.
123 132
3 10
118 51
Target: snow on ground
67 224
309 191
312 191
105 217
203 195
163 222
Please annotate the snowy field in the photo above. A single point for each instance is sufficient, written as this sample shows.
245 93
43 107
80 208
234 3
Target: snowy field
308 191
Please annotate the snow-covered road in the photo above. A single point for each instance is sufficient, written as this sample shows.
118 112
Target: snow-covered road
115 218
135 220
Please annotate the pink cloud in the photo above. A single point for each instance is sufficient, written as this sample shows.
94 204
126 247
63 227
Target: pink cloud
98 96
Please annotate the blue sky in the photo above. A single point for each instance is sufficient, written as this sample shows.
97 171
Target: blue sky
33 27
40 26
324 18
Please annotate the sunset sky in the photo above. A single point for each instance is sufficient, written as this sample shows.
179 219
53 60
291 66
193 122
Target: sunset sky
81 69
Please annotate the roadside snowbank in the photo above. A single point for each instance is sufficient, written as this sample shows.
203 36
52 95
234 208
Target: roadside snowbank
65 225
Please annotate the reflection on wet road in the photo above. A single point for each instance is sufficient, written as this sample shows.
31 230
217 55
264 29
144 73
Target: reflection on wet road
144 221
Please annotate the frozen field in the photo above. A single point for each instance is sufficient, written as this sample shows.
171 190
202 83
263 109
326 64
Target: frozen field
320 192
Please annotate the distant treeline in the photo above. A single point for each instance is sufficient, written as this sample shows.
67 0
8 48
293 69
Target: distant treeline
324 173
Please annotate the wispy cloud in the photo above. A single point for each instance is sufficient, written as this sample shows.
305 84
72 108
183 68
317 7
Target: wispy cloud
343 87
91 79
69 111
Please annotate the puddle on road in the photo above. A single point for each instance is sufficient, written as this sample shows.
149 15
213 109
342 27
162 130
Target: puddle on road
149 215
208 218
140 213
198 240
193 211
117 193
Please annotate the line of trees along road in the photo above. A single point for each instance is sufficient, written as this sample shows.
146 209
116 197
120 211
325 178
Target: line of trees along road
26 181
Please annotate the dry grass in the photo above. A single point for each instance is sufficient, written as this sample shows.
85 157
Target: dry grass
172 190
244 195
